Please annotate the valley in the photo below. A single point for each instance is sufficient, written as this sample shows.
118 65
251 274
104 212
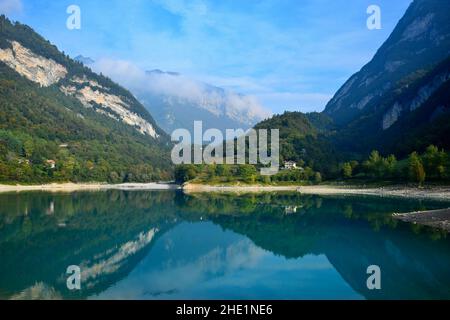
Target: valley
294 151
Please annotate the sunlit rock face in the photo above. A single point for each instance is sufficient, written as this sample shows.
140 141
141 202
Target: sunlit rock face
90 93
32 66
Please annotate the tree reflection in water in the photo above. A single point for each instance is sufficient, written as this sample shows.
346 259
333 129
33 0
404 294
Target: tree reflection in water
110 234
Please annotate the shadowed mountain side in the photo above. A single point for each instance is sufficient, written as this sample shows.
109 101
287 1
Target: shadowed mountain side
420 40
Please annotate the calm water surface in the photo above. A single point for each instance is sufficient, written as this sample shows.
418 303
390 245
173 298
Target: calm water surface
168 245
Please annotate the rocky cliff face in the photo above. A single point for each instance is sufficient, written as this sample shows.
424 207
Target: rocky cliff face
416 115
90 93
421 96
420 40
32 66
93 95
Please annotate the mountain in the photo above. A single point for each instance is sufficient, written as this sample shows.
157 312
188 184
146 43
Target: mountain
398 103
177 101
416 115
160 72
305 137
419 41
60 121
84 60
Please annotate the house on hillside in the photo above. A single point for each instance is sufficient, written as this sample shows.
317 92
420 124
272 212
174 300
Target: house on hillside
51 164
290 165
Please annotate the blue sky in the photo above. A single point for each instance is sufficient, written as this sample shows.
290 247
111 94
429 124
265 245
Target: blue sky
289 54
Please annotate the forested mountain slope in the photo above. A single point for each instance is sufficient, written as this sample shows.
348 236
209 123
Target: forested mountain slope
59 121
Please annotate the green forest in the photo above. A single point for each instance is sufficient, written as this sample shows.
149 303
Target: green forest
46 136
430 166
38 125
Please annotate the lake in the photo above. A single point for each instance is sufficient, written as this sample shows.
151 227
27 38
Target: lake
169 245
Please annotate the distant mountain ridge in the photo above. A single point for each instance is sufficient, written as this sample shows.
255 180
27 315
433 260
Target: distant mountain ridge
177 101
157 71
84 60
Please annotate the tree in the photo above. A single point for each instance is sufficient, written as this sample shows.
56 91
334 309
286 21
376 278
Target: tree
266 179
28 148
308 173
211 171
223 170
317 178
114 177
184 173
391 162
415 168
247 172
434 162
372 164
379 167
347 170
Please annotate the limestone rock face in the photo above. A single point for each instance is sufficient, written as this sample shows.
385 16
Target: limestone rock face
47 72
93 95
32 66
392 116
420 40
427 90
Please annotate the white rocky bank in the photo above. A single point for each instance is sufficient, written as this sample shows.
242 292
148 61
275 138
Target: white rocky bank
47 72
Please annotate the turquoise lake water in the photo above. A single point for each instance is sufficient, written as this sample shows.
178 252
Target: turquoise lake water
169 245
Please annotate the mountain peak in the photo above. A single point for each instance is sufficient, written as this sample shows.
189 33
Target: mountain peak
419 41
160 72
84 60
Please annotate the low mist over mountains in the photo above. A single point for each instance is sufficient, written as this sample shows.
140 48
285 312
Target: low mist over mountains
176 101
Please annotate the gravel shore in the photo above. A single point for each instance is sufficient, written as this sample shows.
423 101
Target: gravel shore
435 218
72 187
441 193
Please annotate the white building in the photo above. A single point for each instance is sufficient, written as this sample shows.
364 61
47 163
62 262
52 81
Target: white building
290 165
51 164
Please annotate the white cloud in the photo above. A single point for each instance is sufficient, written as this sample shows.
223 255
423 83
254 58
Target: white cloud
10 6
240 107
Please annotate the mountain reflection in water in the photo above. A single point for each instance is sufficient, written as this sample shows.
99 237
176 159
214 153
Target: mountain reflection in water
169 245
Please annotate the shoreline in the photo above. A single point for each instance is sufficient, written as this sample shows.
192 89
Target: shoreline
433 193
73 187
439 219
436 193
